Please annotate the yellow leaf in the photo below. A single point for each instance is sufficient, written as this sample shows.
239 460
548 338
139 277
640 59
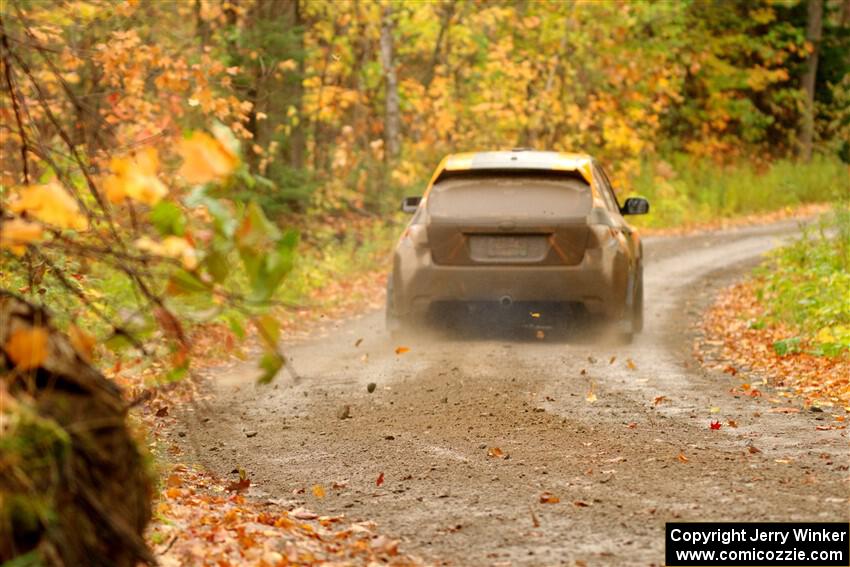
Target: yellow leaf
288 65
205 159
591 397
15 234
318 491
631 364
135 176
50 204
27 347
171 247
82 342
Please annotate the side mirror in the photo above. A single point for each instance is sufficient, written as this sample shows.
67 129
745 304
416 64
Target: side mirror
635 206
410 204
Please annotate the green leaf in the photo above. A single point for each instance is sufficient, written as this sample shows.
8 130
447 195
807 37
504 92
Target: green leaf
269 330
217 265
270 363
168 219
185 282
787 346
236 322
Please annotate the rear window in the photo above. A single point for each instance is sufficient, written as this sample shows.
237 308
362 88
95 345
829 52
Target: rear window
513 196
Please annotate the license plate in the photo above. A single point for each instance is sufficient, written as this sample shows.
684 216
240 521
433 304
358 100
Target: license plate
507 247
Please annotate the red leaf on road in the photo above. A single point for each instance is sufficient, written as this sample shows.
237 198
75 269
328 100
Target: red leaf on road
380 480
714 425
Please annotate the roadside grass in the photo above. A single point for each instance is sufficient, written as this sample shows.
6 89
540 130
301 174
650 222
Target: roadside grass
807 286
686 191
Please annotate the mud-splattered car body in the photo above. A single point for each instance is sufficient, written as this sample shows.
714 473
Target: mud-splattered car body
518 228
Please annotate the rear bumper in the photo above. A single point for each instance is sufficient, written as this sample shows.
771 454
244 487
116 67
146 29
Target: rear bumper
599 282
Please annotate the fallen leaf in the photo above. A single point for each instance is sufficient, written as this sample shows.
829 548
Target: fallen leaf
549 498
580 504
632 425
612 360
27 347
495 452
358 342
591 397
162 412
401 349
535 315
540 334
534 521
239 485
714 425
731 423
682 458
302 514
714 409
659 400
630 364
380 480
318 491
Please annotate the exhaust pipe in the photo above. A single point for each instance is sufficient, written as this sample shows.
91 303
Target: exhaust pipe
506 301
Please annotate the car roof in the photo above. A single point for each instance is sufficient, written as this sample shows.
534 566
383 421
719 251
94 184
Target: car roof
520 159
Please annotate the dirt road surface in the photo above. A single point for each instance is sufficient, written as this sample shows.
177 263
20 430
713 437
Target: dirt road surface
616 464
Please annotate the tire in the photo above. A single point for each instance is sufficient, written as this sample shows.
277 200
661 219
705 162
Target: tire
633 322
637 305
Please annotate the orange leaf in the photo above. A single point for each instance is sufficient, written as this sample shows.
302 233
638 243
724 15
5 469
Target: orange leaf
495 452
401 349
27 347
549 498
682 458
82 342
205 159
318 491
15 234
50 204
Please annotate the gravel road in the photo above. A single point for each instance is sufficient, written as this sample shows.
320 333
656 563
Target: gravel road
617 465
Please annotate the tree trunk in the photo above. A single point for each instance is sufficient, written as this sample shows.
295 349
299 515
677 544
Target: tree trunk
814 28
391 112
298 140
73 485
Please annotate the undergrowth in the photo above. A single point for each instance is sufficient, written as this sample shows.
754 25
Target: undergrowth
685 191
807 284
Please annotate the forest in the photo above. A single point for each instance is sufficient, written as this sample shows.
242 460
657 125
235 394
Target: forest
175 168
